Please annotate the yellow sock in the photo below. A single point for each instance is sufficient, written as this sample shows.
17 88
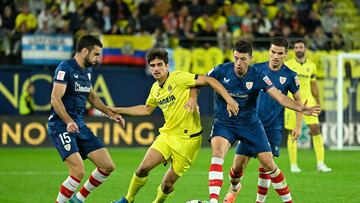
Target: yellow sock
161 196
318 143
135 184
292 149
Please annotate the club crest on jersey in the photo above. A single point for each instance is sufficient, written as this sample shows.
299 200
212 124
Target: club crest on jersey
282 80
169 88
60 75
89 75
249 85
267 80
67 147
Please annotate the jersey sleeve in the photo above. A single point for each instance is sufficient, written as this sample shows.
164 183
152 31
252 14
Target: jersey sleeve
294 84
313 73
151 101
185 79
62 74
264 82
215 72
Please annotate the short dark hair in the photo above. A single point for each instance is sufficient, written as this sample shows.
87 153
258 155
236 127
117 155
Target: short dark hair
280 42
87 41
300 41
157 53
243 46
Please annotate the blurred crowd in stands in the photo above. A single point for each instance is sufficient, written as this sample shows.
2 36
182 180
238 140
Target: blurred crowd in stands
185 23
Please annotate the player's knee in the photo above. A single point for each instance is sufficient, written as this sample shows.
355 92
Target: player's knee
269 166
109 168
167 187
315 131
142 171
77 170
218 153
78 173
238 168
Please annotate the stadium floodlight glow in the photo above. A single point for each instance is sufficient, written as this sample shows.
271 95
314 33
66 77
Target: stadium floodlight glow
340 100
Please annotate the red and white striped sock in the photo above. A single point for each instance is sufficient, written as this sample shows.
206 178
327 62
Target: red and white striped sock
280 185
264 182
215 178
96 178
235 179
67 189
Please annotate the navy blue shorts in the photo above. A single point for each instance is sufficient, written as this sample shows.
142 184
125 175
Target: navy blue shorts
69 143
251 135
274 136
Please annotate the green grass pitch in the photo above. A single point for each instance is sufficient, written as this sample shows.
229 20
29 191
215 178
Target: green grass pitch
35 174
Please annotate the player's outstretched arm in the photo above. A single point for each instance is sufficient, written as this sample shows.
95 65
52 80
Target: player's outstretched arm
192 104
57 93
291 104
233 106
95 101
139 110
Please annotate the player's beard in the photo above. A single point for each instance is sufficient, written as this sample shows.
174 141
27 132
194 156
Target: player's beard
87 62
300 54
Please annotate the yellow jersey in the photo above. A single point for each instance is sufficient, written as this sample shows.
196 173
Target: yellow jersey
171 98
306 73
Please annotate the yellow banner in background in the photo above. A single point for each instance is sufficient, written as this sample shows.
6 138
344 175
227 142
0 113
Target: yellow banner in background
142 43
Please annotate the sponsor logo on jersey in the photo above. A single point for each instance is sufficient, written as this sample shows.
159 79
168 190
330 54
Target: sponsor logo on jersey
282 80
242 96
267 80
89 75
79 88
226 80
249 85
60 75
167 100
169 88
76 75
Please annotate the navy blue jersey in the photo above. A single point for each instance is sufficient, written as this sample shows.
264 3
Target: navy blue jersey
243 89
270 112
78 81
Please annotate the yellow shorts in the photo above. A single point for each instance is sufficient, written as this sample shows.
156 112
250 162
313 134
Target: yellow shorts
181 151
290 119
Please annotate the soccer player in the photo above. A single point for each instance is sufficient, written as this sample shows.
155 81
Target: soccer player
271 114
306 70
180 138
72 138
244 83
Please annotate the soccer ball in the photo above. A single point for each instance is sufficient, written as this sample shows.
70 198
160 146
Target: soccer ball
197 201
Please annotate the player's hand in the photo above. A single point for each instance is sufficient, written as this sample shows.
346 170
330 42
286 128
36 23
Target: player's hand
192 105
295 134
119 119
319 107
72 127
310 110
232 108
114 116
